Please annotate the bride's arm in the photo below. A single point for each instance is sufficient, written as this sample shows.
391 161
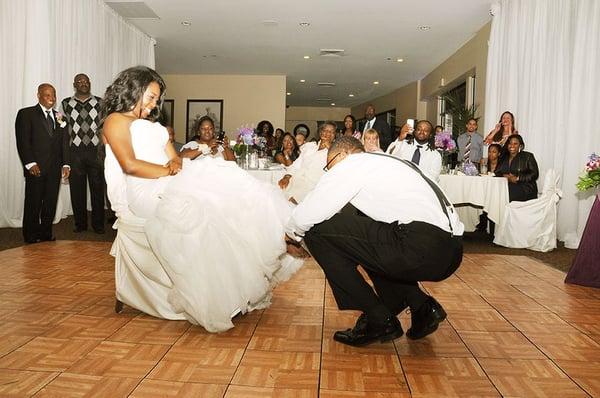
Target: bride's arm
175 162
116 134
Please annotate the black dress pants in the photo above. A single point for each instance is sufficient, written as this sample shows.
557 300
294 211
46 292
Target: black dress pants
86 166
41 194
396 257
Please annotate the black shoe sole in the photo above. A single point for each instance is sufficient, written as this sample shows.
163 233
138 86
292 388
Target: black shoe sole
382 339
431 328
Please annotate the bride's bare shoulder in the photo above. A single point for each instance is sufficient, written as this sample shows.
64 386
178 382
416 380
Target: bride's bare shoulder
117 122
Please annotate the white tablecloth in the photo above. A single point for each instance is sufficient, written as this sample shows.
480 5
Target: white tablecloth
489 193
272 176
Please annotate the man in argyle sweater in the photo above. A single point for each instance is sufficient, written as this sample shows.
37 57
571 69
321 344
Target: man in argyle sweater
82 112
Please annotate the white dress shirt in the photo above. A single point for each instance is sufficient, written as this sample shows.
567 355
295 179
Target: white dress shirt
369 125
381 187
430 162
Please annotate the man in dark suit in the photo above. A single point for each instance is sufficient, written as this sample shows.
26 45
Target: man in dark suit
41 139
377 123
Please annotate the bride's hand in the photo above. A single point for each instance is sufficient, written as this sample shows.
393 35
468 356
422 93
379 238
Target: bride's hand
174 166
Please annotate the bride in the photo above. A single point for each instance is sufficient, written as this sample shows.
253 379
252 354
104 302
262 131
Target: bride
217 231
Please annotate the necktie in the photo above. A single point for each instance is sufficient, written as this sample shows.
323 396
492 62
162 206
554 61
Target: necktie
50 122
467 155
367 125
417 155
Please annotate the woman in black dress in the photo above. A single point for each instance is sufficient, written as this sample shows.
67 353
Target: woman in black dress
521 170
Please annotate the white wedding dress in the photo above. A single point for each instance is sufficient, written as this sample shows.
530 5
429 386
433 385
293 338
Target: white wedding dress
217 232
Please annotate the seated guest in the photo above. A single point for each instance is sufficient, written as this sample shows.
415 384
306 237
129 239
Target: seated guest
300 139
278 136
521 170
493 161
206 136
350 129
438 129
470 144
370 140
503 129
419 149
265 129
305 172
176 145
288 152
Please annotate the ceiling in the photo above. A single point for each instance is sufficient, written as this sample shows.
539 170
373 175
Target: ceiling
265 37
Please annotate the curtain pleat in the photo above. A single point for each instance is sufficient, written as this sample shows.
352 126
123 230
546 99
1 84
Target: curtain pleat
51 41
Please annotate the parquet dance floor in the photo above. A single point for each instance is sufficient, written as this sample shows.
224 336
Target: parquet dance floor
513 329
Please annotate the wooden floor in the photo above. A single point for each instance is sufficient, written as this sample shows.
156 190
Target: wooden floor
513 329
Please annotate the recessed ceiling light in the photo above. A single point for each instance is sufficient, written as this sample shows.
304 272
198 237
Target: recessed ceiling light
289 93
333 104
270 22
400 60
375 82
424 27
307 57
350 95
302 80
186 23
304 24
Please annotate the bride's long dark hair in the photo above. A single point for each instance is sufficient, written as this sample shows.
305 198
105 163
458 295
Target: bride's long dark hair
128 89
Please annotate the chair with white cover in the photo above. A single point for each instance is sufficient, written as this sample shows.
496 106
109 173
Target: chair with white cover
140 280
532 224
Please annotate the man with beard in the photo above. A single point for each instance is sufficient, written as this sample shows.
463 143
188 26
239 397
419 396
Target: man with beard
419 149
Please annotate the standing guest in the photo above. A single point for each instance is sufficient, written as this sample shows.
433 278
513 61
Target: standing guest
470 143
419 149
82 111
304 173
438 129
396 223
377 123
265 129
288 152
370 140
205 137
42 137
350 127
521 170
503 129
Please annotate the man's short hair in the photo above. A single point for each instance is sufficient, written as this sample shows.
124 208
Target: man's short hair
348 144
473 119
45 85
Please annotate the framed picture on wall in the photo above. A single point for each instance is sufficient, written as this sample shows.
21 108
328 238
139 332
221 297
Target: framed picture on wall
168 110
197 108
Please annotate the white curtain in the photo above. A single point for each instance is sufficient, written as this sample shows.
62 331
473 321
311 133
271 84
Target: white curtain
51 41
544 66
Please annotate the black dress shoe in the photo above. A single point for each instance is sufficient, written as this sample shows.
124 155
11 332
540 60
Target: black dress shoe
30 241
426 319
79 229
99 231
48 239
364 333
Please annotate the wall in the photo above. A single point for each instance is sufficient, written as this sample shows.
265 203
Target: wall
310 114
404 100
469 60
247 99
419 98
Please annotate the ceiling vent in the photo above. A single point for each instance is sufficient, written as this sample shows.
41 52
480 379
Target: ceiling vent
326 84
132 10
331 52
324 99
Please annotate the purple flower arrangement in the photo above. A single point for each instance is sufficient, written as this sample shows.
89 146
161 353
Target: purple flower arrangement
444 142
591 178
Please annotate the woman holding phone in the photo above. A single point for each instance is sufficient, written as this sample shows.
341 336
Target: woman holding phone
205 141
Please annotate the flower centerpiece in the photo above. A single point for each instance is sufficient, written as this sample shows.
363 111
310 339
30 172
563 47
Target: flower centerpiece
591 178
445 145
246 137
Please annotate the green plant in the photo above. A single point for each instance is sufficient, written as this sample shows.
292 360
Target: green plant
455 106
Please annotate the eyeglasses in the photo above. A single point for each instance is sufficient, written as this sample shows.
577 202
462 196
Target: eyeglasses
326 168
